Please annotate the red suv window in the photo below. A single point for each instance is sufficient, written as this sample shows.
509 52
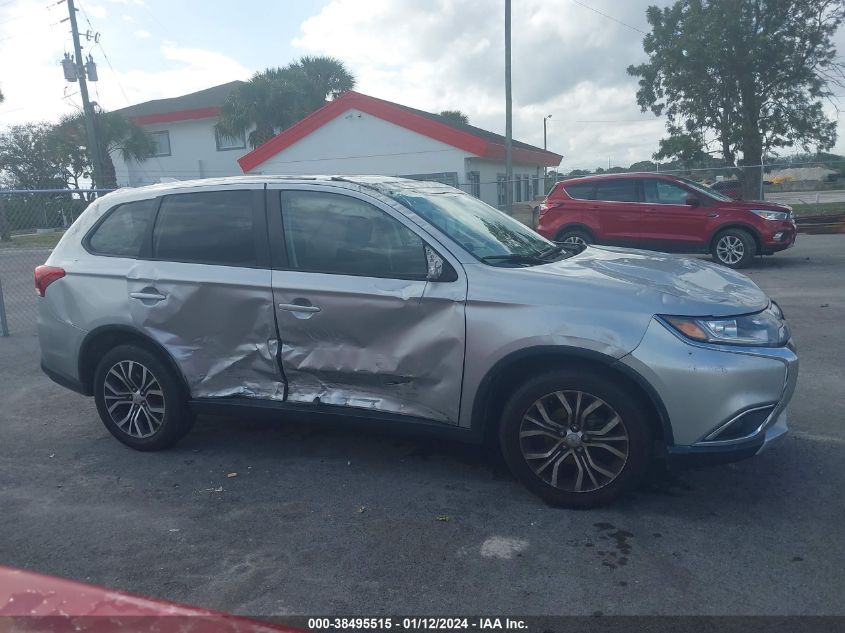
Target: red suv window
582 190
617 190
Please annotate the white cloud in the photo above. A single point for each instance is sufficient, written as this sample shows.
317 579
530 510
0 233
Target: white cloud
142 34
568 61
34 86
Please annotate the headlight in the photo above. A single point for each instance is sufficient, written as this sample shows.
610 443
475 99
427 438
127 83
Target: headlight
771 215
766 328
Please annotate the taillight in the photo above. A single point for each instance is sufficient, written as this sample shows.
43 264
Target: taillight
45 275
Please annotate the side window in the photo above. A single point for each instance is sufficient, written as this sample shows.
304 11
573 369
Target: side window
660 192
214 227
616 190
333 233
582 190
122 232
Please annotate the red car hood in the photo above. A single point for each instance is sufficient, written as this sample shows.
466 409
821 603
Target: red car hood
755 204
41 603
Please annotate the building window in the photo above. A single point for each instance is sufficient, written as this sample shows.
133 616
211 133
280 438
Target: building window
517 188
474 180
526 187
161 143
501 191
225 143
535 186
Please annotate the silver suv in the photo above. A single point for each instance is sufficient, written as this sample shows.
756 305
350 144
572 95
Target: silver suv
407 303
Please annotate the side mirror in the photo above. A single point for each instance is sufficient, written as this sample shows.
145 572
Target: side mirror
693 201
438 268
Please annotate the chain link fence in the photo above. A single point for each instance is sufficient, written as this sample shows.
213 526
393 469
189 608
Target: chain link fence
31 223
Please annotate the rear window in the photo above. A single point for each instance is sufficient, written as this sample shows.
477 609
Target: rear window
206 228
616 190
122 232
581 190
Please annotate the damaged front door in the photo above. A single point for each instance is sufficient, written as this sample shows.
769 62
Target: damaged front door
359 323
204 292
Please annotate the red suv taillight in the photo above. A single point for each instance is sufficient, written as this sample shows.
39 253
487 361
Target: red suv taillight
45 275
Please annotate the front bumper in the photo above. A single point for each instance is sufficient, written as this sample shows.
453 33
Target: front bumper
724 403
779 236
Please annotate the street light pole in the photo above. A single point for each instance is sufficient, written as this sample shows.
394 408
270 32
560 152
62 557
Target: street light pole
508 113
545 144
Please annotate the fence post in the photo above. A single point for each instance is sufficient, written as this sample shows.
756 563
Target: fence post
5 227
4 324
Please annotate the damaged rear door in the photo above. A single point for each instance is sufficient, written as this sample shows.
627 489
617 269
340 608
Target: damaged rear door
359 324
203 291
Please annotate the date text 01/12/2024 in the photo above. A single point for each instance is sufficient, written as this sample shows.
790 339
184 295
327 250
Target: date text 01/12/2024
416 624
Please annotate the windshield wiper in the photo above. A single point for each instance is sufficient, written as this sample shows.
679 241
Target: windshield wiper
515 257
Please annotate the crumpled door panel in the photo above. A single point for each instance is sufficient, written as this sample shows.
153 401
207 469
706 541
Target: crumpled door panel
217 322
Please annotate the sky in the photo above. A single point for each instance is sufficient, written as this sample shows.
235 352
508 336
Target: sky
569 59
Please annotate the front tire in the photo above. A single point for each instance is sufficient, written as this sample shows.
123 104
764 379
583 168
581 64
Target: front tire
734 248
140 399
575 438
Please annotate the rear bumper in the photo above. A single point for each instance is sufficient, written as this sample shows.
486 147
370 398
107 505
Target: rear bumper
65 381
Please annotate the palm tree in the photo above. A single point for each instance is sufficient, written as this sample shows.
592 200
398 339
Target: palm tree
455 116
276 98
115 133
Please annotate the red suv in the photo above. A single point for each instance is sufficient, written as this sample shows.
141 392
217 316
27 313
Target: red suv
664 213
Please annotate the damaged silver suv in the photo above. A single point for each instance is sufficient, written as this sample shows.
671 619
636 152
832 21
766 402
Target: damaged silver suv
407 303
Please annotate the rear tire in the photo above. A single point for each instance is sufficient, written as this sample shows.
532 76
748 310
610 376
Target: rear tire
734 248
140 399
579 454
577 237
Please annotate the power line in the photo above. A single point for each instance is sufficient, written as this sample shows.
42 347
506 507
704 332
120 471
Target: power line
609 17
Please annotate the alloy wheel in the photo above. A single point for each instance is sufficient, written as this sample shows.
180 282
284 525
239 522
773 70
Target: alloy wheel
577 240
574 441
730 249
134 399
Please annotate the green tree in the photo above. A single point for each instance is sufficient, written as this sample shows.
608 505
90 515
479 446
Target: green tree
29 158
741 77
115 133
276 98
455 116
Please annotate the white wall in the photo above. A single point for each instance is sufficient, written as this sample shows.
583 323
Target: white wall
490 170
193 154
356 143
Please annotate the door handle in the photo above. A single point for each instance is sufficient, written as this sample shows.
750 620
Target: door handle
712 215
147 296
295 307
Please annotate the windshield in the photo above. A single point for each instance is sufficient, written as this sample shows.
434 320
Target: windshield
484 231
707 191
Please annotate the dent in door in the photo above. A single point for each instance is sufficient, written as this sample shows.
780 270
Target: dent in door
400 356
221 334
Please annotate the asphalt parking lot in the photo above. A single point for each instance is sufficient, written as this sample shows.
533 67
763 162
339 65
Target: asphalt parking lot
323 521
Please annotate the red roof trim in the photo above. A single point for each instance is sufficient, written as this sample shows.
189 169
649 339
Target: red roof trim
397 115
181 115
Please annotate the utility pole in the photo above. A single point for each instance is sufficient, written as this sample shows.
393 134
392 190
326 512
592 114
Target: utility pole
545 143
508 112
90 123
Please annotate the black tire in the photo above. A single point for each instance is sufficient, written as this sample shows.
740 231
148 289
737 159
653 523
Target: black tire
579 237
734 248
627 473
154 422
